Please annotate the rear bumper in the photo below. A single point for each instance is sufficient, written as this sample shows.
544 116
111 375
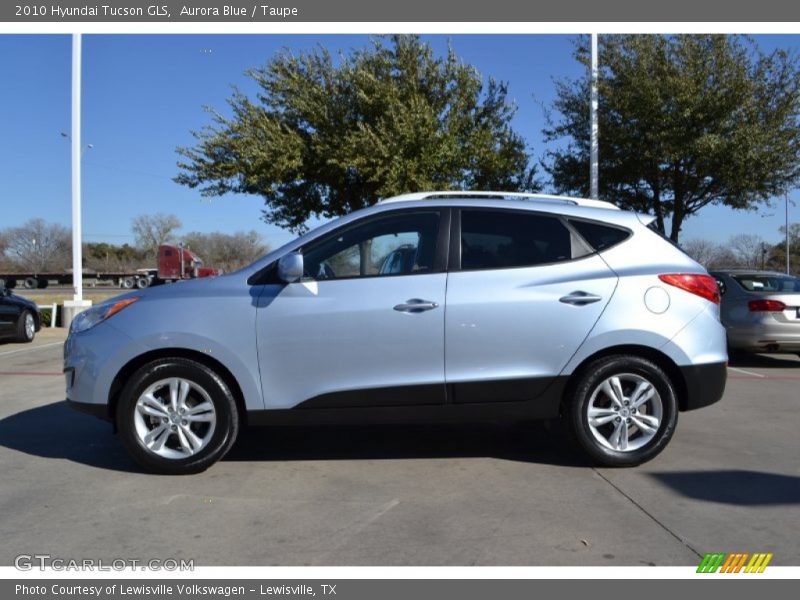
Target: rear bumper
765 337
705 384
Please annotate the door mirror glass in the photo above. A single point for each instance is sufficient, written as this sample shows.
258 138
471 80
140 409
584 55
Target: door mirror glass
290 267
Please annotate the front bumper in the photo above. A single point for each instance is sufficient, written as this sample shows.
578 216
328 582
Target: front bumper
705 384
91 361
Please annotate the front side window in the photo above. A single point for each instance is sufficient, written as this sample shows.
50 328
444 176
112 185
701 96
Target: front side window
402 244
503 239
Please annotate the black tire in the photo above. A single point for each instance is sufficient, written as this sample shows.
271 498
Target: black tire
42 283
578 401
24 333
227 417
142 282
11 283
31 283
127 283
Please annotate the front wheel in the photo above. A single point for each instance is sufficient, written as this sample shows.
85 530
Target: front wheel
623 410
176 416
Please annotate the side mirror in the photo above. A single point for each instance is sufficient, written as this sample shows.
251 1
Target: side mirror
290 267
5 291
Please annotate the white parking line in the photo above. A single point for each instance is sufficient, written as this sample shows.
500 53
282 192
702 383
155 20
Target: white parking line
747 372
31 349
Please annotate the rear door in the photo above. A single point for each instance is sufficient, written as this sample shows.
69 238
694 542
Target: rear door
523 293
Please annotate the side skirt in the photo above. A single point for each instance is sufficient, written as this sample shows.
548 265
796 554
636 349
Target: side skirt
544 406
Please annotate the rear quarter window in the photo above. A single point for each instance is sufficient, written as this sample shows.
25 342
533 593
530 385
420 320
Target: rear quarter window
598 235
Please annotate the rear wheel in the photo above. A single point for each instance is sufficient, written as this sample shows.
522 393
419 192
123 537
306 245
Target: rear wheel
31 283
26 327
176 416
623 410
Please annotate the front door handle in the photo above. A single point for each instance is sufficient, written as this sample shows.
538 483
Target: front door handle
415 305
580 298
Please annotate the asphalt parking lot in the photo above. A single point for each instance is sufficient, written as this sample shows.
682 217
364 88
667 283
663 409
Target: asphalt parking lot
443 495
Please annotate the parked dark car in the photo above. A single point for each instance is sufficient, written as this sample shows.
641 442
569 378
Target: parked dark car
19 317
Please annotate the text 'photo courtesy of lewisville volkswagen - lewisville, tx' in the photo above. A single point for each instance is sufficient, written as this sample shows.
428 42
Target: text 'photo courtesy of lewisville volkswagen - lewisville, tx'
359 298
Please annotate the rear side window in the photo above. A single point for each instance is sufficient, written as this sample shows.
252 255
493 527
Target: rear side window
501 240
599 236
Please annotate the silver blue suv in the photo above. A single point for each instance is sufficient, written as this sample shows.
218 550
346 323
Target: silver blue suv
437 306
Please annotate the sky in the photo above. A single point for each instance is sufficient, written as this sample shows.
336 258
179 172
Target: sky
144 94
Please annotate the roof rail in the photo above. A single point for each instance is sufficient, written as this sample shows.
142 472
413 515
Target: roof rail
489 195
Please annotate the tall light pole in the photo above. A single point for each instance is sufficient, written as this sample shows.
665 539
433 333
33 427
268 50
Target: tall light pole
788 265
594 174
77 250
78 303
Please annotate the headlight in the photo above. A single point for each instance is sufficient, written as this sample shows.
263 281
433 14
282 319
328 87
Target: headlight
97 314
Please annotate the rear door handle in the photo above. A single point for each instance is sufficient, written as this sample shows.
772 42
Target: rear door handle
416 305
580 298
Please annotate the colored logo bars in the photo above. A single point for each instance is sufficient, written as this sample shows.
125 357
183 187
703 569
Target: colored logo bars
734 562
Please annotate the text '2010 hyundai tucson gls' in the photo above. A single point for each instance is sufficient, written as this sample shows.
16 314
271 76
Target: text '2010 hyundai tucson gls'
437 306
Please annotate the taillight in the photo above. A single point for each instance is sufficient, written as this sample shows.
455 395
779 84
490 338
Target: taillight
766 306
704 286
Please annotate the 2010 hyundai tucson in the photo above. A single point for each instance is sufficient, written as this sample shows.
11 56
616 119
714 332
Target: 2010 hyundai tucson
510 306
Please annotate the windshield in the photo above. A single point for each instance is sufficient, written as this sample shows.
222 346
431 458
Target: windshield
768 284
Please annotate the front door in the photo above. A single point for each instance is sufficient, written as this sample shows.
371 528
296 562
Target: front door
365 326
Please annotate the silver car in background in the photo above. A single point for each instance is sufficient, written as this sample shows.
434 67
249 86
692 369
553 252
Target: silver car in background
433 306
760 310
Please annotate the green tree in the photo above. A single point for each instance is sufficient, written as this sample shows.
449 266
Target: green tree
326 136
105 257
685 121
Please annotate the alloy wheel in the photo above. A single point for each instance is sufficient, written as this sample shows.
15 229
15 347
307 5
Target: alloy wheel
174 418
30 326
624 412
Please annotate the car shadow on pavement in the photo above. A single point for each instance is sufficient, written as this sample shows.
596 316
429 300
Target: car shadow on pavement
57 431
764 360
737 487
540 443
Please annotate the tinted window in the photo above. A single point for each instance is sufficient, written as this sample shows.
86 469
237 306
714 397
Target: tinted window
393 245
499 240
599 236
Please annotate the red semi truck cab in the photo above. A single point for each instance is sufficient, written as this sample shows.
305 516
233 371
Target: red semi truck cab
177 262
